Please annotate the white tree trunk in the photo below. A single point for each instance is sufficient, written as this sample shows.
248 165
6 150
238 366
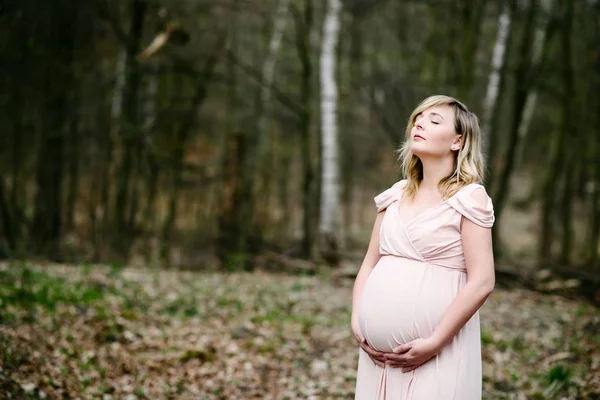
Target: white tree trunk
498 57
269 66
268 73
531 101
330 170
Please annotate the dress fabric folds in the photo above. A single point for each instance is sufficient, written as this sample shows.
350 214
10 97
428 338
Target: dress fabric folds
420 272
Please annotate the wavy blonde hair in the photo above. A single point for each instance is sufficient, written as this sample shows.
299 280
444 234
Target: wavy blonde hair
468 163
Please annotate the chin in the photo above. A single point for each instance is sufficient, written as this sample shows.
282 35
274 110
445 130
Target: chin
418 150
421 152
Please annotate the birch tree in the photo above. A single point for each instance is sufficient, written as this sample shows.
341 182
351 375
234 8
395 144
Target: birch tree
522 83
265 140
268 72
493 87
329 225
539 45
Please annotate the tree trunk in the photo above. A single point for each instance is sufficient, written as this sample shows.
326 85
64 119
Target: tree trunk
493 87
472 22
558 156
349 156
594 233
522 87
73 164
123 232
153 170
237 202
540 52
493 148
181 138
108 145
304 23
16 199
8 231
230 238
47 224
593 242
265 136
329 215
566 205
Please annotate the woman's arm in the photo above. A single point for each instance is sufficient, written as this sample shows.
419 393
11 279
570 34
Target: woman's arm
371 258
479 260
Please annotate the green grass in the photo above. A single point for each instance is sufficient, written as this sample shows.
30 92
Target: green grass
265 329
26 289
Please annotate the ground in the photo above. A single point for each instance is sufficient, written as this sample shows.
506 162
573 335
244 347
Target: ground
107 332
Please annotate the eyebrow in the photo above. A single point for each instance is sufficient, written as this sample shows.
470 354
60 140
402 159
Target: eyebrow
439 115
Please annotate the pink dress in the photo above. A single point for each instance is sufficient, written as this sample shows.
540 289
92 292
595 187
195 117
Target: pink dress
421 270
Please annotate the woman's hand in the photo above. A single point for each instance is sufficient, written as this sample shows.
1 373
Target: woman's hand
377 357
356 330
413 354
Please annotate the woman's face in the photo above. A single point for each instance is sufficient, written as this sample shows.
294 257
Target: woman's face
433 133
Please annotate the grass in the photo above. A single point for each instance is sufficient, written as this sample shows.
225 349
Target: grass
91 331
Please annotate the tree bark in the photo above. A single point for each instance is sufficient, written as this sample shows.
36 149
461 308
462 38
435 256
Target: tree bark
521 89
497 67
265 136
123 231
47 224
543 35
472 23
349 156
150 127
304 23
182 134
73 164
329 215
8 231
559 156
593 242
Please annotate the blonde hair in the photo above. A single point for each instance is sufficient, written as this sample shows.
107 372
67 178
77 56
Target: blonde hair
468 163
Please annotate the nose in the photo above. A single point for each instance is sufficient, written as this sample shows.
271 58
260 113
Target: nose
418 124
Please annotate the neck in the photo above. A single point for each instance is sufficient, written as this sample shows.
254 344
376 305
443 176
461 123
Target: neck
434 170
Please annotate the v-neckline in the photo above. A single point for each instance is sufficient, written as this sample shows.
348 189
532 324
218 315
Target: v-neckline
425 211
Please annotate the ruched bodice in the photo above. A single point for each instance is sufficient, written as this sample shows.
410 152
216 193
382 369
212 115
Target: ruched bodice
432 236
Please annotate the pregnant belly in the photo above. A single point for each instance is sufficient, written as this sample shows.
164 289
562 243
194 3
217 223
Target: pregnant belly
405 299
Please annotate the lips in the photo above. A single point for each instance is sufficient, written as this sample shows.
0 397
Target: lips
417 136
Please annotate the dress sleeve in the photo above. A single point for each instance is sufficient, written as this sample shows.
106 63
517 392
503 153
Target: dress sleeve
384 199
464 203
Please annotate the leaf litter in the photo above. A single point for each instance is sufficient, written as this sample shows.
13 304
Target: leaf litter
97 332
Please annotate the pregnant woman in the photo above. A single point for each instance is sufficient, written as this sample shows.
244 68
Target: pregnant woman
429 266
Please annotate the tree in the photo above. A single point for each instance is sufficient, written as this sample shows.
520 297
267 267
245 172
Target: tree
329 227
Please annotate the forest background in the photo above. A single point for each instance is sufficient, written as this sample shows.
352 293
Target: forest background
249 137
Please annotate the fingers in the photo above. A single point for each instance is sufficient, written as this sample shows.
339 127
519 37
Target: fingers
397 358
403 348
376 356
398 364
372 352
405 365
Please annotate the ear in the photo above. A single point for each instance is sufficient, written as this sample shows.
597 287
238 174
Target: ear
457 143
